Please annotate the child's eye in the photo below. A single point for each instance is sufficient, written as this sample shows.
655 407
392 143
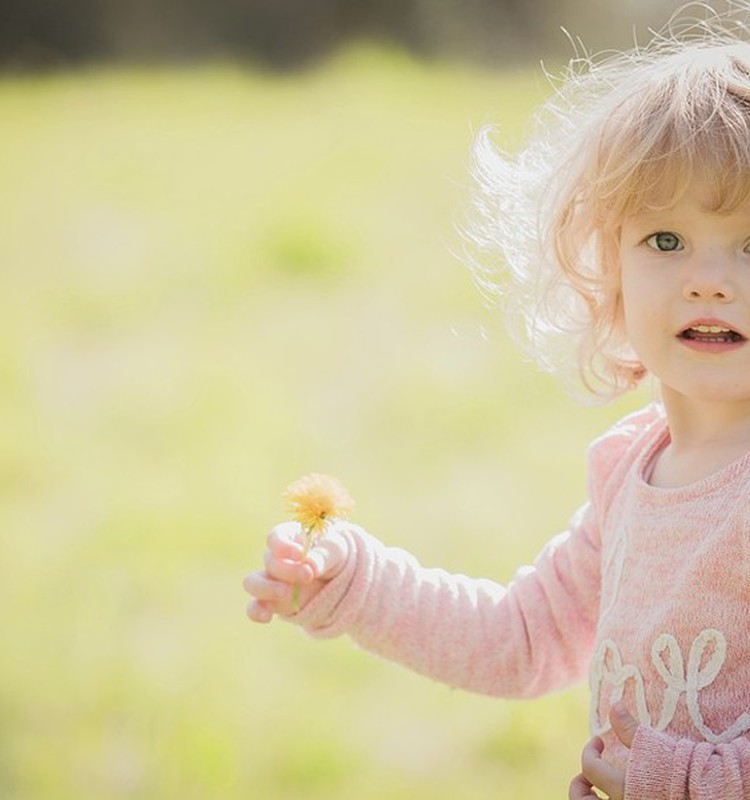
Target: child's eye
665 241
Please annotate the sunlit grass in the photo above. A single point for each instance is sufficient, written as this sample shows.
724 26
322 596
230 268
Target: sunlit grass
214 281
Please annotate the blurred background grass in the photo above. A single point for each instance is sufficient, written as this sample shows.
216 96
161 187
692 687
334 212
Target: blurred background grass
215 280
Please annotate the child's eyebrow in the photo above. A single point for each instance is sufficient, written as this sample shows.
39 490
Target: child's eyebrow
646 219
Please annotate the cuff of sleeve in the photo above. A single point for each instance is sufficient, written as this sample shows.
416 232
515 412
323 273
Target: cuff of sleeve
334 609
657 766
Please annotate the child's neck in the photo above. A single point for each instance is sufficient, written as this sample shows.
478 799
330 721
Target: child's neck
705 437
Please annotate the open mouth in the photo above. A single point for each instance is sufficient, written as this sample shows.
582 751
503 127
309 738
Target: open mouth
712 333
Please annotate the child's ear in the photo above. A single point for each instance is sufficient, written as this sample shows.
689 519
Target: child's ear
639 372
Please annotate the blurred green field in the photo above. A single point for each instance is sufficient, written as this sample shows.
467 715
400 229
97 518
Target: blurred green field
212 282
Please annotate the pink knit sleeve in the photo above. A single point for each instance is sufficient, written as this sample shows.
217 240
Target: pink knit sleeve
531 637
663 768
517 641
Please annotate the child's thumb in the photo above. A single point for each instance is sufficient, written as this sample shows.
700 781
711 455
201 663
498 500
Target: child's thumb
329 555
624 723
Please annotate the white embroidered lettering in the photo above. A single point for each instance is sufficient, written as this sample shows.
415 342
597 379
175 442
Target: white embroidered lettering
707 655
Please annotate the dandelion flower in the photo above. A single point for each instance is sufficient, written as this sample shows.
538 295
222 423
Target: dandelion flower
313 500
316 498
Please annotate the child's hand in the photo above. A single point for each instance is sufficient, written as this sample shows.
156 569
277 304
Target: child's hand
272 588
595 771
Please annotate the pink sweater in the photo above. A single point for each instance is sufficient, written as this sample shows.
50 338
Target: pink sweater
648 591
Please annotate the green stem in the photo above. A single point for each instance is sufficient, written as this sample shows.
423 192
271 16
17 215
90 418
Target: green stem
309 539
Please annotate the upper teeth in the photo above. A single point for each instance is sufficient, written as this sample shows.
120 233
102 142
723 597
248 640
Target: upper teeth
710 329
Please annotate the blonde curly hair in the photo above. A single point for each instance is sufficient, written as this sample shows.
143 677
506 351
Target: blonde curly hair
620 134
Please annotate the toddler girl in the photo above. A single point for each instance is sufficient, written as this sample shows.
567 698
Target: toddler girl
624 226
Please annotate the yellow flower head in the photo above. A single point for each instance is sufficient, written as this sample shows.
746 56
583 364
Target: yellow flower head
315 498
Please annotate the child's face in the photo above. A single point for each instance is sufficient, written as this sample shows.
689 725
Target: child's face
686 296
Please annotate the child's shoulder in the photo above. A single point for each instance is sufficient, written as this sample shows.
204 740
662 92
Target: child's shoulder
631 428
625 440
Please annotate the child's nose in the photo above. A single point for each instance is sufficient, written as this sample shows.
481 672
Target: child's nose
709 280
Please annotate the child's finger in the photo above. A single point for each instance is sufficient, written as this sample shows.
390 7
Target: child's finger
286 541
581 789
598 772
624 724
259 611
288 571
261 587
329 555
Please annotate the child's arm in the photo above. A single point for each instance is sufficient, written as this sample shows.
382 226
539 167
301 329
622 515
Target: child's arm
520 640
661 767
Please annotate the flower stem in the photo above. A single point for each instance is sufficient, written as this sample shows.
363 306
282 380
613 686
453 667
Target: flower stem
309 541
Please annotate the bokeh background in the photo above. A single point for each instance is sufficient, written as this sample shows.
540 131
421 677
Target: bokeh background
229 258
